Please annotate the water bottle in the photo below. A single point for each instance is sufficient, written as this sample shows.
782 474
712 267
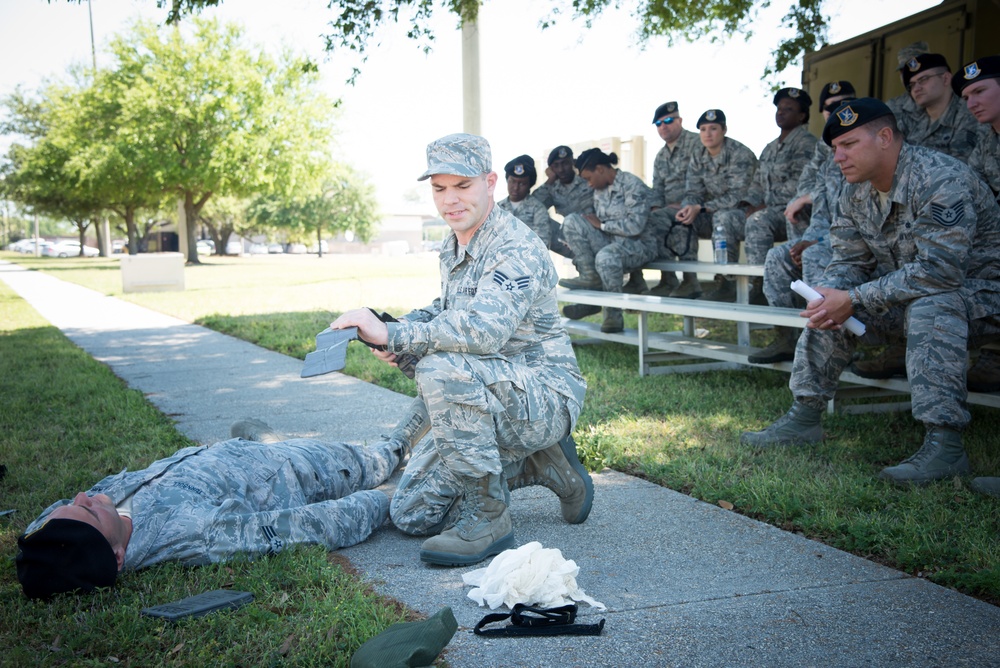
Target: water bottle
719 245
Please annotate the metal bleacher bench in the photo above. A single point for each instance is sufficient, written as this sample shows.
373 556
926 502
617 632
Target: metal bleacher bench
687 352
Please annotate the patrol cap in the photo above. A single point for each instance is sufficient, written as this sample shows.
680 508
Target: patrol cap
835 89
560 152
922 63
665 109
458 154
64 555
711 116
977 70
851 114
523 166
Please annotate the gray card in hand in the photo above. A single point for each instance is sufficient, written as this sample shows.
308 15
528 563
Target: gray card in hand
331 351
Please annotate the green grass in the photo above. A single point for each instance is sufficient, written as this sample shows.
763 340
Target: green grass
681 431
57 438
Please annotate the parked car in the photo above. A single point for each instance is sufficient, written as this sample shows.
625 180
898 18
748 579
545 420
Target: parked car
234 248
205 246
322 245
69 249
21 246
28 246
275 249
296 249
258 249
118 245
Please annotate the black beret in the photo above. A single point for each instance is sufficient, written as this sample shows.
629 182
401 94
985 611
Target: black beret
524 166
664 109
712 116
851 114
835 89
977 70
797 94
922 63
64 555
560 152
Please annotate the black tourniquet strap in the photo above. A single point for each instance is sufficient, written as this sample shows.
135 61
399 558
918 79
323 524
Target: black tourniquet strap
689 229
529 621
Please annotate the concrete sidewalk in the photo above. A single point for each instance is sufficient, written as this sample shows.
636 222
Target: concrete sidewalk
686 583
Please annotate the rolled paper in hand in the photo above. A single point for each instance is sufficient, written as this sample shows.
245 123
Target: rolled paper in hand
853 325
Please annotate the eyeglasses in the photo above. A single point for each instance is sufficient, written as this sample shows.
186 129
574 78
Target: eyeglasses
922 80
664 121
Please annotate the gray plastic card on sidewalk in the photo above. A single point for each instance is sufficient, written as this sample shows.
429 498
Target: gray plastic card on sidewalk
331 352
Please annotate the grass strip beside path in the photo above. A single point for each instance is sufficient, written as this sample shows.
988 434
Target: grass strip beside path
66 422
681 431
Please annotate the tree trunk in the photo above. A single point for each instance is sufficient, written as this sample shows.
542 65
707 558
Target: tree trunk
319 239
99 229
131 231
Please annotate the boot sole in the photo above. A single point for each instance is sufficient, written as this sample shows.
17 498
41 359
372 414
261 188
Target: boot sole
449 559
568 446
878 375
774 359
959 468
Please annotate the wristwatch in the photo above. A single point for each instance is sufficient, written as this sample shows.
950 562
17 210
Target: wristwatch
856 304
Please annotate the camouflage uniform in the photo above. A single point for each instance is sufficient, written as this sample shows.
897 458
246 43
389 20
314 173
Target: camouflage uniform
206 504
955 133
779 270
625 242
985 158
773 186
532 213
930 270
497 379
906 111
577 197
717 184
669 176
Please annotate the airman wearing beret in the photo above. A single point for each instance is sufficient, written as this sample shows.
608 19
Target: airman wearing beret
978 83
669 174
521 176
254 494
944 124
760 220
900 201
490 345
564 191
806 259
718 175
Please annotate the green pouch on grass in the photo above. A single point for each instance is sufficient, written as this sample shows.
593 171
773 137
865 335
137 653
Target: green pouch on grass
408 644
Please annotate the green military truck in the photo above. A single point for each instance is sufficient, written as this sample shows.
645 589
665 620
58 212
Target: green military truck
960 30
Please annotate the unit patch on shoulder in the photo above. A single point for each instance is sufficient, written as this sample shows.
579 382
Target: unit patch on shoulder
510 284
949 216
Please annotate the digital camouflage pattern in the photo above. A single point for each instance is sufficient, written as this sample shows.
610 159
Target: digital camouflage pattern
926 269
458 154
808 180
206 504
670 169
497 378
575 197
532 213
985 158
626 241
779 270
954 133
718 184
774 185
778 170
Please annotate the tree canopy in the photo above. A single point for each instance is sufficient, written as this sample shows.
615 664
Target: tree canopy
191 114
356 22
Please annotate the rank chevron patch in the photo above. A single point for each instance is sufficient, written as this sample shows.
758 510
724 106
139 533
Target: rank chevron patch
510 284
948 216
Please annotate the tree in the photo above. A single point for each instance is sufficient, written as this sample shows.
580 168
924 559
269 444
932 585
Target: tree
209 115
357 21
44 175
345 203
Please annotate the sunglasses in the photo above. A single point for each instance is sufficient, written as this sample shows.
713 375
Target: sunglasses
664 121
